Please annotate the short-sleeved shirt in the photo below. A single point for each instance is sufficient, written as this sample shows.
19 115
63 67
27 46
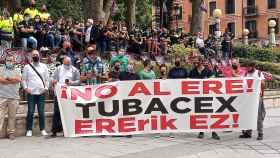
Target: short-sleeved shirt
122 59
96 66
147 75
17 18
9 91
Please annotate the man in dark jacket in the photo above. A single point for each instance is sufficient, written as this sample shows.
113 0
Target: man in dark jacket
178 72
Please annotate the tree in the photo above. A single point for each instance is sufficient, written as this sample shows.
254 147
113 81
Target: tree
131 13
196 23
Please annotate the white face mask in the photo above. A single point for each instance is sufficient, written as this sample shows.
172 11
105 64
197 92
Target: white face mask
67 67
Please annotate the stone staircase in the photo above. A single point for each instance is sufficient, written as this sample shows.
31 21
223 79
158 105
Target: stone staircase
272 100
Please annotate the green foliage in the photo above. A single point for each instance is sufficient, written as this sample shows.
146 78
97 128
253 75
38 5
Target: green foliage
273 68
180 50
256 53
143 12
59 8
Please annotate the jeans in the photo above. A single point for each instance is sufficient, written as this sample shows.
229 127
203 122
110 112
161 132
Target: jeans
56 122
53 41
101 46
33 100
32 40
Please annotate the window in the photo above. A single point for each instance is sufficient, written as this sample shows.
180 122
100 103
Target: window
231 28
212 29
180 17
271 4
276 27
212 7
252 27
230 6
251 2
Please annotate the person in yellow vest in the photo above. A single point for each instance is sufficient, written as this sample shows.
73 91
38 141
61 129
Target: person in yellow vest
6 31
18 16
32 11
44 13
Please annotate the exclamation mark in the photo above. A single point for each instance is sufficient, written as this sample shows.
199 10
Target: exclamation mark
250 85
235 118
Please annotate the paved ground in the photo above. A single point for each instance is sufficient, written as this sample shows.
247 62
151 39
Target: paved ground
182 146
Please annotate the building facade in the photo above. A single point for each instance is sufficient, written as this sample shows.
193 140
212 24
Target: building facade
236 16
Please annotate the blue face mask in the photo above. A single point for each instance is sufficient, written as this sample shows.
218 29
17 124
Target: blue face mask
9 65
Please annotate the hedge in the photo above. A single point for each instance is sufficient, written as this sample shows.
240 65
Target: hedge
273 68
256 53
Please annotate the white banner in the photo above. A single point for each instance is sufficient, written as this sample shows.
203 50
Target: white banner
159 106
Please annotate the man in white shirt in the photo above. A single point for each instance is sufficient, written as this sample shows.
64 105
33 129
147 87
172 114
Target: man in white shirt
10 78
200 44
67 75
35 81
253 72
88 31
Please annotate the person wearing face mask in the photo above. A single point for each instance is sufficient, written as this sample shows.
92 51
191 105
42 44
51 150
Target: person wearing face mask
52 40
120 57
163 71
44 13
89 28
26 31
10 78
114 74
129 74
66 51
147 73
200 71
38 31
6 30
32 11
257 74
35 81
93 70
178 72
67 75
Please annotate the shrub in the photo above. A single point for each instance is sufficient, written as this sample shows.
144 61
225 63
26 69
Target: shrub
256 53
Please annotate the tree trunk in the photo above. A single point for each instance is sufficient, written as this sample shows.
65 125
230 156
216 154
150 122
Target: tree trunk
196 23
107 6
16 3
131 13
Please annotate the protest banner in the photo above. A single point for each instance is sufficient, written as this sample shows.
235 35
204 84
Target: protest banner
159 106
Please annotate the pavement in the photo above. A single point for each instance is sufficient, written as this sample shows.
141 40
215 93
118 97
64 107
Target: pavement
184 145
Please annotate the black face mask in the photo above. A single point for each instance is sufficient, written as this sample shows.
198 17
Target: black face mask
117 68
35 59
177 63
234 67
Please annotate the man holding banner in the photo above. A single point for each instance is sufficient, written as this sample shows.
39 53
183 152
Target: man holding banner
253 72
66 75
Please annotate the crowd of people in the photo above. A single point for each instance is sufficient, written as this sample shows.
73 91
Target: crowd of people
83 57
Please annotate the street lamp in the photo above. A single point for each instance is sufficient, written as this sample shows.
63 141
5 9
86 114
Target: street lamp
246 33
217 13
272 40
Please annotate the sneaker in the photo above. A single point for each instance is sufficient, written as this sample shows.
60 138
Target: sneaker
200 135
12 137
29 133
44 133
215 136
245 136
260 137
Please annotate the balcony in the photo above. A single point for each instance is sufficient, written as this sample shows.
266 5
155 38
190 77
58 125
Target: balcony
251 11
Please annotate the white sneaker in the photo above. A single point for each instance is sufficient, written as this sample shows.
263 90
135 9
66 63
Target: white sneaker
44 133
29 133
